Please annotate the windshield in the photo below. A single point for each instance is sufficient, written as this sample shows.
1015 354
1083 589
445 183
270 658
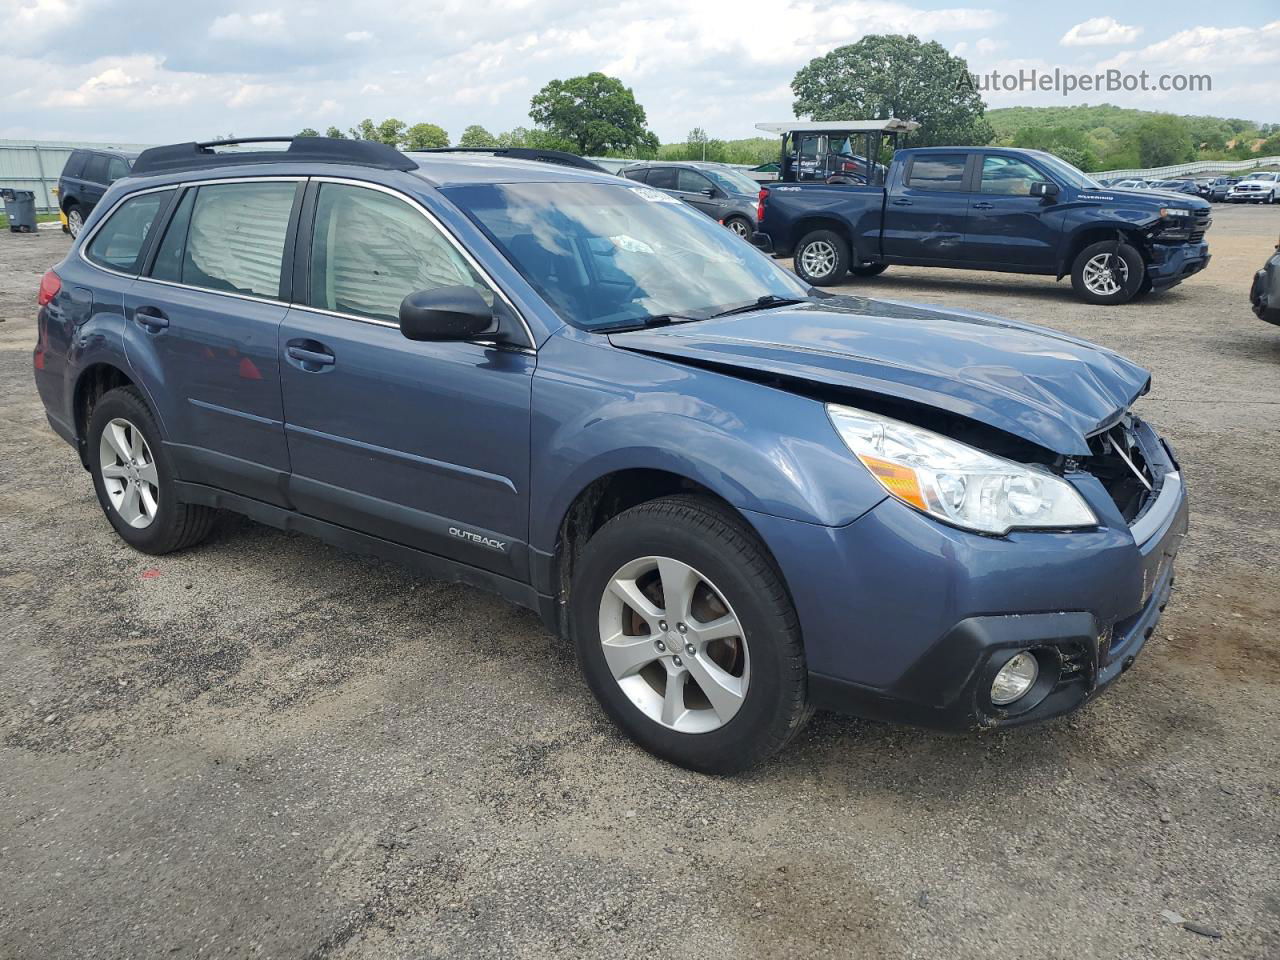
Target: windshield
1073 176
731 181
606 256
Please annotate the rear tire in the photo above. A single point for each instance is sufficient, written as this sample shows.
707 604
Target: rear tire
134 478
1107 273
822 258
741 226
635 636
75 220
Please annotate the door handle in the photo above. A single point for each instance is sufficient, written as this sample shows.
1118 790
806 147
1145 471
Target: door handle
318 358
902 202
153 318
983 206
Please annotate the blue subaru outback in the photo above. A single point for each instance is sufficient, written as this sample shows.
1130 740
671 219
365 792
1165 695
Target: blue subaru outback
739 497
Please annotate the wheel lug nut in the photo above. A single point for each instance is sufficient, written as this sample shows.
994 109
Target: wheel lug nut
662 625
660 645
682 628
677 661
688 648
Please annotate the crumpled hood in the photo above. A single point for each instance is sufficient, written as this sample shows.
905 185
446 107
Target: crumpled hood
1043 386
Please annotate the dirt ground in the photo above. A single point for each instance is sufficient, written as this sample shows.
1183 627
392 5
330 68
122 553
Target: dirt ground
267 748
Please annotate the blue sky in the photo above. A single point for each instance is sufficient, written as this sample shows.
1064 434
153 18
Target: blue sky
152 71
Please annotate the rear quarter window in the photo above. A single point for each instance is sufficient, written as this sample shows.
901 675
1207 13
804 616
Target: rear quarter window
75 164
119 242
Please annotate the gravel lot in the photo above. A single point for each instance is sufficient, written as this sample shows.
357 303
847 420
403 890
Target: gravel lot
267 748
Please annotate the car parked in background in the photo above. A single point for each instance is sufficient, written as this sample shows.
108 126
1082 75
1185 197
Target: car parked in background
1218 187
84 179
989 208
738 498
722 193
1265 292
1130 184
1177 186
1262 187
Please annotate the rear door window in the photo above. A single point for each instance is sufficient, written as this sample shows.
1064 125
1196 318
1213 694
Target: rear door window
370 250
664 178
118 243
235 242
937 171
95 170
642 175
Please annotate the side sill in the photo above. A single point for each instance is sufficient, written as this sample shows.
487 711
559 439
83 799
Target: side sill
433 566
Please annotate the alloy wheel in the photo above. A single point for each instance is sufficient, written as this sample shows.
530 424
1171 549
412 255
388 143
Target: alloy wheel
75 222
129 473
674 645
739 227
1105 274
818 259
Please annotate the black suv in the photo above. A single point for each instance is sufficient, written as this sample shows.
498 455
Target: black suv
722 193
85 179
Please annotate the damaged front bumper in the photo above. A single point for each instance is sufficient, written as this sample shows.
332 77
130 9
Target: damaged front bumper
930 613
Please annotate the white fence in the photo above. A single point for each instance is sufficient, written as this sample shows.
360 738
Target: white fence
36 165
1184 169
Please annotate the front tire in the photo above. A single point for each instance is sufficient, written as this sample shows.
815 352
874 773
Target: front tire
822 258
687 636
869 269
134 479
1107 273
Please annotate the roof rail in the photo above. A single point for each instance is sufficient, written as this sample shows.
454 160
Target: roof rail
526 153
198 156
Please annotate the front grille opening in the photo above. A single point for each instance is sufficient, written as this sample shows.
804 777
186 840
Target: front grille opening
1117 462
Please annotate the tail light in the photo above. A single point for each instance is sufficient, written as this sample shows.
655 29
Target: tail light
764 195
50 284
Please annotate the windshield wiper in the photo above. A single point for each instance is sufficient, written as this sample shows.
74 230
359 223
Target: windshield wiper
762 303
644 323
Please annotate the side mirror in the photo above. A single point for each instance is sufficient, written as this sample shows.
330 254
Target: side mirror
1045 189
445 313
709 192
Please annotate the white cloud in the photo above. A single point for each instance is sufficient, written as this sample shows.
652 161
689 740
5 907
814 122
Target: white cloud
1098 32
1200 48
267 25
128 83
357 36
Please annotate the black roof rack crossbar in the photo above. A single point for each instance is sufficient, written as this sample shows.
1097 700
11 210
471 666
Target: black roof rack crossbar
526 153
199 156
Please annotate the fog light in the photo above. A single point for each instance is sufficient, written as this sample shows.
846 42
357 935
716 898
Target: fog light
1014 679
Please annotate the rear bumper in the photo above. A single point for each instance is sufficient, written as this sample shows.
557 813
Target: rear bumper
762 241
920 616
1172 264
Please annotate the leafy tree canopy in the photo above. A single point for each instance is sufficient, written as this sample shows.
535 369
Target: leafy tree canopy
477 136
425 136
595 113
895 76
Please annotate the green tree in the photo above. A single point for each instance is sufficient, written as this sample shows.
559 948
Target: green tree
308 132
365 130
1073 146
425 136
391 132
895 76
335 133
477 136
1164 140
595 113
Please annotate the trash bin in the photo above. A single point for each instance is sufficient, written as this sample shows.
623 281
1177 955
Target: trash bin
20 207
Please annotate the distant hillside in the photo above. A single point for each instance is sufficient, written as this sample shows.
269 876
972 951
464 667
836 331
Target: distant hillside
1106 137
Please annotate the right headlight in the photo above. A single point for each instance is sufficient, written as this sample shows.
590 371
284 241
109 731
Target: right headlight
955 482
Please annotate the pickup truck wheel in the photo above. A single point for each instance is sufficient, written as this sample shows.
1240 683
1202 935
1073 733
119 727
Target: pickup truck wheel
822 258
133 477
869 269
687 636
1107 273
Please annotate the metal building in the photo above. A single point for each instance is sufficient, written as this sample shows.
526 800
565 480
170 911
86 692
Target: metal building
35 165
